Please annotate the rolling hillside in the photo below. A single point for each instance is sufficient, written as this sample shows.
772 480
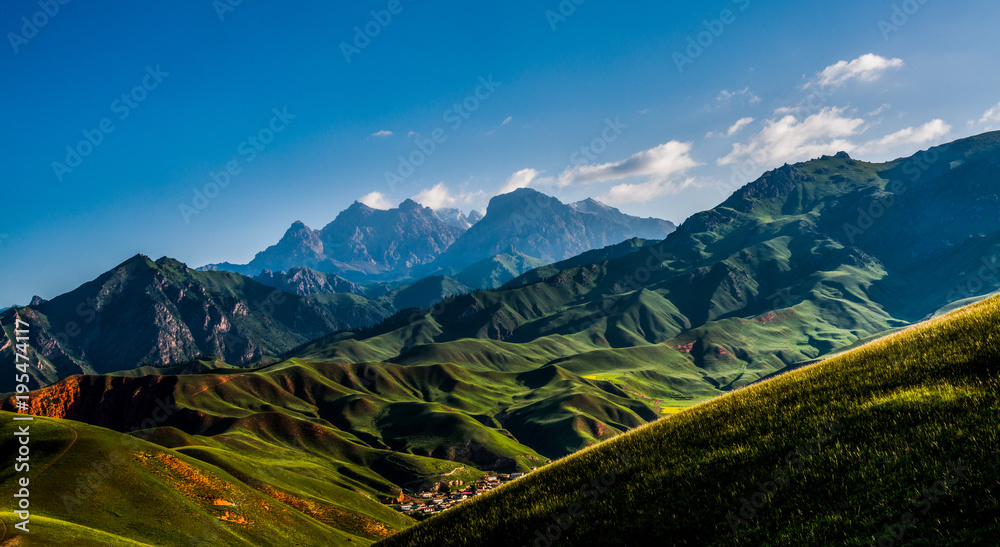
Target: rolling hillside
786 271
94 487
808 259
894 441
319 441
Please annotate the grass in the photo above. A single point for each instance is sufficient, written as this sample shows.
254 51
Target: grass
108 489
572 354
879 426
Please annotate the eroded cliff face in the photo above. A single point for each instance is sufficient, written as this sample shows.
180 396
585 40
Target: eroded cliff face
361 242
120 403
117 403
304 281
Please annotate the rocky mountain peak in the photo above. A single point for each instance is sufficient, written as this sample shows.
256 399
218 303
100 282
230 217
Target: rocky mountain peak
410 205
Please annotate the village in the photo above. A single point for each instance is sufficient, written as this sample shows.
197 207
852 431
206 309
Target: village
425 503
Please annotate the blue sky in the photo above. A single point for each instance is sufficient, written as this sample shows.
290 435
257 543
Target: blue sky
585 98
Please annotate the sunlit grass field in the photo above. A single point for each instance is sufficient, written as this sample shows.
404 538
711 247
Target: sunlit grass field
893 442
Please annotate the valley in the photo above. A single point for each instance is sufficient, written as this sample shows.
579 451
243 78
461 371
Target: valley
341 433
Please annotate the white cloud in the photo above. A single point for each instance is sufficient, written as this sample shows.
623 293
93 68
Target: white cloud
929 132
787 139
507 121
376 200
733 129
412 134
440 197
867 68
382 133
634 193
879 110
992 115
521 179
659 162
740 124
725 97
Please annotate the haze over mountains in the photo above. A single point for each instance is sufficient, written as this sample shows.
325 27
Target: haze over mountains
816 245
364 244
808 260
175 314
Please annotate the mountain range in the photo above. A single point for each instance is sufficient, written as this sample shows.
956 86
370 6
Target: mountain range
805 260
808 261
146 313
366 245
176 314
362 243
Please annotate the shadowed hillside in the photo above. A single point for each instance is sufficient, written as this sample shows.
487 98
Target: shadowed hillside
894 441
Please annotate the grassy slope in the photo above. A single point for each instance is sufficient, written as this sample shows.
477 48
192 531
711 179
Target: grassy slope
327 439
108 487
590 257
904 407
772 278
725 268
493 272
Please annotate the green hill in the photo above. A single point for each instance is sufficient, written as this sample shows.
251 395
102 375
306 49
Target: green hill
892 442
424 293
493 272
807 260
787 271
93 487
